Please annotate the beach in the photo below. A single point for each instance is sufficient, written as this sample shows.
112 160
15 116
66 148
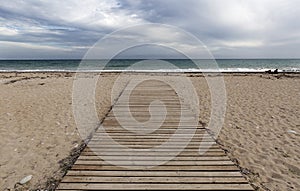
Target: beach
261 131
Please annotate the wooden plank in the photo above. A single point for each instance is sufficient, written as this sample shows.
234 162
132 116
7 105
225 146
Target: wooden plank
147 103
169 125
99 143
132 135
147 100
165 155
162 134
183 122
197 158
106 151
159 168
182 133
174 117
153 186
112 125
203 143
149 91
189 132
146 112
167 148
102 145
141 141
103 138
118 129
115 123
157 108
193 180
156 137
110 147
147 115
147 163
171 145
139 173
144 146
151 139
152 153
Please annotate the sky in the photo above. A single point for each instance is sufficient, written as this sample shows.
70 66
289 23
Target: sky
41 29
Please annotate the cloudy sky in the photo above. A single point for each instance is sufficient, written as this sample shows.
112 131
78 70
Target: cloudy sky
31 29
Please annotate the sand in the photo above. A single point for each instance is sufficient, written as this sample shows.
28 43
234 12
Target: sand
261 132
262 128
37 125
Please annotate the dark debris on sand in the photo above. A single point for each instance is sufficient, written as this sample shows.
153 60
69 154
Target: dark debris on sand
65 165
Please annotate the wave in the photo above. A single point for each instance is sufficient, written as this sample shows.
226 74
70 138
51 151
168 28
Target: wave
189 70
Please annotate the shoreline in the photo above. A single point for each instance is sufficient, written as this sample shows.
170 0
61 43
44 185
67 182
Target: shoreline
149 71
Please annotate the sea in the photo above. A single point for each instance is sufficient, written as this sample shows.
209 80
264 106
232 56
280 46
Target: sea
154 65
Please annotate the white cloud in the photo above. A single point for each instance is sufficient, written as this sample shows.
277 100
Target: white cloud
8 31
32 46
15 50
237 44
89 13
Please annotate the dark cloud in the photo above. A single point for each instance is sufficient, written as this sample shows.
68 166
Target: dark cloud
50 29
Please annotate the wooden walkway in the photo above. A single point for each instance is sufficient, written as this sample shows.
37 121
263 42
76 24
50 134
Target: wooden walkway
136 168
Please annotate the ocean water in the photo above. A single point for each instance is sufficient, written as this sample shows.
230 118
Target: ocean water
167 65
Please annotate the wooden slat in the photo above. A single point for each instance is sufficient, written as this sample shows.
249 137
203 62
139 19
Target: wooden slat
232 180
197 158
99 142
126 133
153 186
136 173
144 147
147 153
197 143
153 141
145 139
144 109
168 118
158 168
141 163
174 145
114 129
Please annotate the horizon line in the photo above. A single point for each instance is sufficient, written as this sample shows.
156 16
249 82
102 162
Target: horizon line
20 59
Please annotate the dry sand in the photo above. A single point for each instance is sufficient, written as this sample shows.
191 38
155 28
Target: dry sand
262 128
261 131
37 125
